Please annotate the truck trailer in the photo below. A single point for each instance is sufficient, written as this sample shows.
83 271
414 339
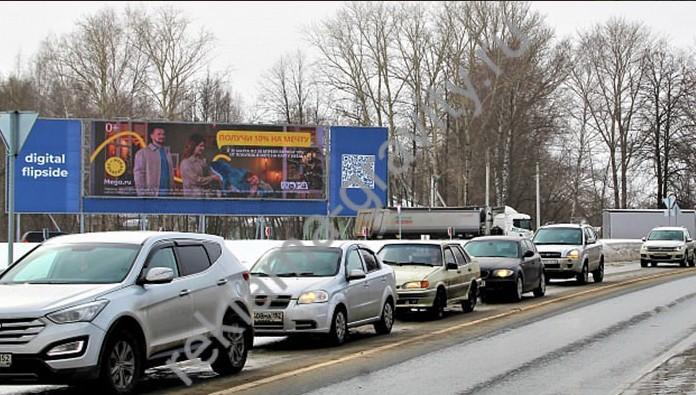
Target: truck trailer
637 223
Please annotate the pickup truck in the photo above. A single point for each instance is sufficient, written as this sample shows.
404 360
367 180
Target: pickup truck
570 250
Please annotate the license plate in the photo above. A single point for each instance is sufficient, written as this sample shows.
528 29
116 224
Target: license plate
5 360
551 261
268 317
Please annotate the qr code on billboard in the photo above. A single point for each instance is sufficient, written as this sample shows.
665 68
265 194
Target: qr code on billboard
357 167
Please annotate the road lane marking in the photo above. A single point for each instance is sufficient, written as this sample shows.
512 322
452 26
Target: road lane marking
360 354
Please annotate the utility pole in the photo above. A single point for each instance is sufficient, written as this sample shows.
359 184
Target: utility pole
538 198
488 194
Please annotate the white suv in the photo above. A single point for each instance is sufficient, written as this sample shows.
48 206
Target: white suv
102 307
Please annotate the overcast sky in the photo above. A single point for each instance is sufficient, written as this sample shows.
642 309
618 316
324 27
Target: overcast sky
252 36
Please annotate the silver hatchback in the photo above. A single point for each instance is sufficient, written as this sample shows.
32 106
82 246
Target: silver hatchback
322 290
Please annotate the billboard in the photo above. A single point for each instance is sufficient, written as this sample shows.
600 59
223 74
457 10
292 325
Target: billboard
358 178
47 172
206 161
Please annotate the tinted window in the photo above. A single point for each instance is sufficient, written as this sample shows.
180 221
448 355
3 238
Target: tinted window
192 259
449 257
353 261
562 236
411 254
589 234
80 263
370 261
666 235
164 257
299 262
493 248
214 251
460 256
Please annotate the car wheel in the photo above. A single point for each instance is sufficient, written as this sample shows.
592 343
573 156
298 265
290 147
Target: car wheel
384 325
438 310
692 261
644 263
519 289
683 262
547 279
121 364
339 327
470 303
598 275
541 291
232 356
584 276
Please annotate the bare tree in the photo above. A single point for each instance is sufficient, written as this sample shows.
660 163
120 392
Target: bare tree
615 52
668 86
174 53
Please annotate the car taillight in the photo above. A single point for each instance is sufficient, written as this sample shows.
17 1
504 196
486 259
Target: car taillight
246 276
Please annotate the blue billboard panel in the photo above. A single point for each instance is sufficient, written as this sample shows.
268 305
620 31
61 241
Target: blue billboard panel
47 171
357 169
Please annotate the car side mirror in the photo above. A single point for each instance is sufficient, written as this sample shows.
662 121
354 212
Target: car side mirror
158 275
452 266
356 274
643 239
528 254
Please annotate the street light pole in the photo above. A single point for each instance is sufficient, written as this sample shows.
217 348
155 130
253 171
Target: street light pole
538 198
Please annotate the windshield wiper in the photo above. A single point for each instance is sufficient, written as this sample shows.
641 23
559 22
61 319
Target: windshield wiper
291 274
391 262
259 274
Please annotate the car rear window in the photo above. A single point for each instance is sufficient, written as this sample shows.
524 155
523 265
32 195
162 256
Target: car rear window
192 259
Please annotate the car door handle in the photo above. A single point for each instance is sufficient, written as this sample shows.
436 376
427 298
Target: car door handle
384 280
366 284
222 281
184 292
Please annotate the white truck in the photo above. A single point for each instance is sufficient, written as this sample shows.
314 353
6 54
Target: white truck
514 223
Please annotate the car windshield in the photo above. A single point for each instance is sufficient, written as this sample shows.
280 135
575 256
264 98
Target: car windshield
80 263
567 236
493 248
666 235
522 223
299 262
411 254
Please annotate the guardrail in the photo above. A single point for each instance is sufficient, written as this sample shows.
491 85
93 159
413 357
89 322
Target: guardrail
621 250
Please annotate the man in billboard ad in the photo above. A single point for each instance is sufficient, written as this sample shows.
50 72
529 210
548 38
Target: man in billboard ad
206 161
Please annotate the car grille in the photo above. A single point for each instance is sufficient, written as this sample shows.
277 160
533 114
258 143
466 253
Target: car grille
19 331
552 265
663 248
546 254
277 301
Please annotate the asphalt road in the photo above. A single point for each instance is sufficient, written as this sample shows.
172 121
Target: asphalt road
596 338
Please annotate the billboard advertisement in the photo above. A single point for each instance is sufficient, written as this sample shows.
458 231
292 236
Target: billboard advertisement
358 178
47 172
206 161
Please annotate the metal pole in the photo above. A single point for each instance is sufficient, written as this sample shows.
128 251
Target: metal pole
488 194
82 222
12 153
538 199
18 235
432 191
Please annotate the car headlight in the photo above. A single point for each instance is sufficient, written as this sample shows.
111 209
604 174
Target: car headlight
643 247
681 248
313 297
503 273
416 285
573 254
81 313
